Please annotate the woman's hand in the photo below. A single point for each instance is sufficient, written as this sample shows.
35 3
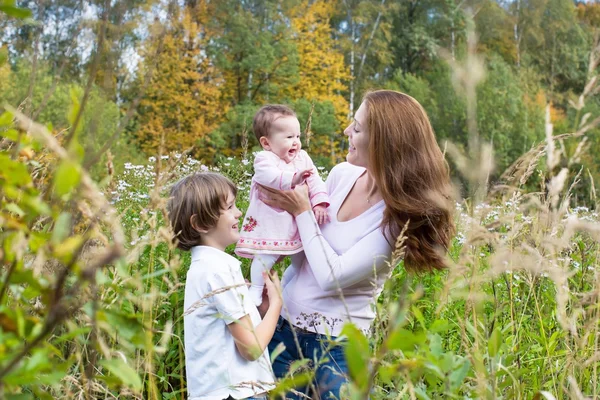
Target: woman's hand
293 201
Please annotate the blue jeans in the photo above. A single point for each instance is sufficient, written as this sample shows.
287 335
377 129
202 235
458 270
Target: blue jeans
328 356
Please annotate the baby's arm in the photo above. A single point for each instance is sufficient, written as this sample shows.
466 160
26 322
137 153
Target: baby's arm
252 341
317 192
268 173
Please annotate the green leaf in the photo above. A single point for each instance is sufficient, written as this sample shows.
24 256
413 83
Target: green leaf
296 381
435 344
439 326
13 172
402 339
357 354
62 228
122 371
3 59
298 364
494 342
15 209
67 177
458 375
16 12
6 118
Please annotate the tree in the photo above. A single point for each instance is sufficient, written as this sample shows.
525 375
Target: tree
322 71
181 106
251 46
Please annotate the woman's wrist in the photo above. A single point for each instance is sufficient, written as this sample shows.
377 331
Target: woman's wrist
301 210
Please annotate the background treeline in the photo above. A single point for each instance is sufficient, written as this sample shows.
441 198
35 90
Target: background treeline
191 73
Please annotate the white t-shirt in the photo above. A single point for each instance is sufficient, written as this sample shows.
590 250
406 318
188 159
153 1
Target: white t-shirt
344 266
215 296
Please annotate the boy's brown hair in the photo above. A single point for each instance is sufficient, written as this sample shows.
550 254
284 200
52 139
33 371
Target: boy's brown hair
266 116
196 201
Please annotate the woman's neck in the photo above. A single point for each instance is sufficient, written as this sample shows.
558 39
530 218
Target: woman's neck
371 188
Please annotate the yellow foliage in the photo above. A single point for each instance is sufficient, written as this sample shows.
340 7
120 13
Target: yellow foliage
323 73
322 68
4 78
181 106
541 100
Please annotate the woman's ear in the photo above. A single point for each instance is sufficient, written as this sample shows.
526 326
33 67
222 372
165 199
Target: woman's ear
195 225
264 142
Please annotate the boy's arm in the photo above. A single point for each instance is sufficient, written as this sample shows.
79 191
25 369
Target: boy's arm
252 341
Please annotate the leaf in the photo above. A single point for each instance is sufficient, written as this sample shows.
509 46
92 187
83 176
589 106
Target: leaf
16 12
13 208
439 326
405 340
284 385
494 342
298 365
6 118
14 173
65 250
67 177
62 228
458 375
357 354
280 348
11 134
435 344
125 373
7 323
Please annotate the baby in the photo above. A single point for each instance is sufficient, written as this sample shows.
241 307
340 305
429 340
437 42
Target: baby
268 233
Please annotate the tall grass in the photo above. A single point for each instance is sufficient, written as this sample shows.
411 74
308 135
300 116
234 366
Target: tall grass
92 286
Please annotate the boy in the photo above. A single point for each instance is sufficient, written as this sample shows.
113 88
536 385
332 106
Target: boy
225 340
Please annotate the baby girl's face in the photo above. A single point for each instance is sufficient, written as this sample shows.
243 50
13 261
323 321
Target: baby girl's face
284 138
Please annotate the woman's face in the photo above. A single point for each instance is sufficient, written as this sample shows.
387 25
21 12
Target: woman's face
358 138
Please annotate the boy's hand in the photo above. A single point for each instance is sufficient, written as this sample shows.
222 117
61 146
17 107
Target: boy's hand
321 214
301 176
273 289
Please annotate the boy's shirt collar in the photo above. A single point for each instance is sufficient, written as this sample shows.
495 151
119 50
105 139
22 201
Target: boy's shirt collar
199 251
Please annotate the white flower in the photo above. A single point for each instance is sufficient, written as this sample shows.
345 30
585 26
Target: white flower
245 162
151 159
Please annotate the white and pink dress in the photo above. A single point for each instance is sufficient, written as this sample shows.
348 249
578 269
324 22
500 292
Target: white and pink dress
268 230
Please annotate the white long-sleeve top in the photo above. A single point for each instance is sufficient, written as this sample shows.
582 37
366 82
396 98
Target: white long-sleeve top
345 266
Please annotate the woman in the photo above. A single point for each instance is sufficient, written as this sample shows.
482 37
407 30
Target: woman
395 176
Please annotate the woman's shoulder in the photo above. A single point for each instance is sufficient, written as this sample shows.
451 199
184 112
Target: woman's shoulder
346 170
343 173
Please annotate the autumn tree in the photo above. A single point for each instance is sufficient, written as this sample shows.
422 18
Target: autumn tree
323 75
181 106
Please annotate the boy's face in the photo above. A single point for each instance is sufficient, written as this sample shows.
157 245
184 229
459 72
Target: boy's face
284 138
226 231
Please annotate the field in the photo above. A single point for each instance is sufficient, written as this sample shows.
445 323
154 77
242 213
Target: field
92 287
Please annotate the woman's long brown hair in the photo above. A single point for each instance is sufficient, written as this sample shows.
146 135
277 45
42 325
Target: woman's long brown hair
412 176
